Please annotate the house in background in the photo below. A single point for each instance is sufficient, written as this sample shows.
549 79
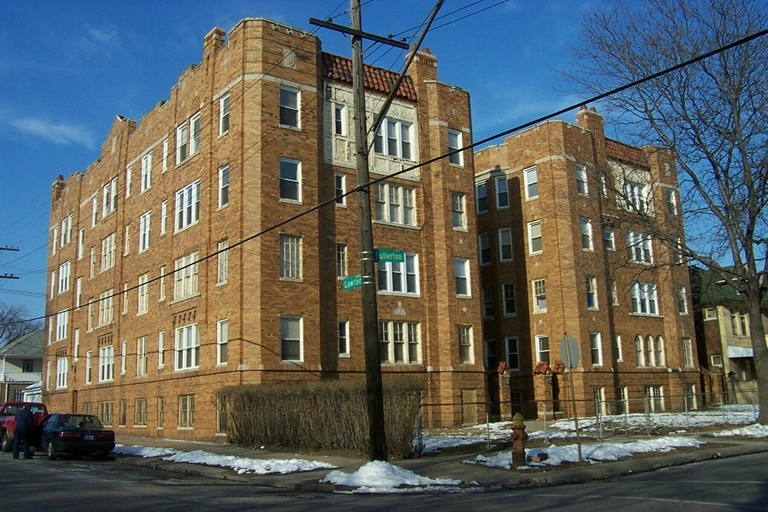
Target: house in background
21 364
723 339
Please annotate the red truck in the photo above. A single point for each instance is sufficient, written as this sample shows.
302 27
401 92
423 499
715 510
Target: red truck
8 420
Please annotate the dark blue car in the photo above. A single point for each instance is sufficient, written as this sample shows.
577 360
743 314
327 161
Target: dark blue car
75 434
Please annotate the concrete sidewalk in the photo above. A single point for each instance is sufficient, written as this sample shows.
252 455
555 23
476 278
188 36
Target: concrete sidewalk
435 465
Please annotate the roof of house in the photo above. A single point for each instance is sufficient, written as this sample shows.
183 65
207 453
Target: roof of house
616 150
712 290
376 79
28 346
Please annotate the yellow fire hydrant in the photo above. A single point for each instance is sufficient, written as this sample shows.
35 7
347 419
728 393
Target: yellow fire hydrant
518 441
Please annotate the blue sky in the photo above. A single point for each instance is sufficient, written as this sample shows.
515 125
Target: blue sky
68 68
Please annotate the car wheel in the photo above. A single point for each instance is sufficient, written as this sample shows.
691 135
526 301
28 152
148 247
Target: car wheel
5 444
50 451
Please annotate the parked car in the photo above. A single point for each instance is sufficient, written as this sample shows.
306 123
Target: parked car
75 434
8 412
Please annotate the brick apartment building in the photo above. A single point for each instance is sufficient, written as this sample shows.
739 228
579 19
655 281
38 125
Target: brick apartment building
562 253
168 281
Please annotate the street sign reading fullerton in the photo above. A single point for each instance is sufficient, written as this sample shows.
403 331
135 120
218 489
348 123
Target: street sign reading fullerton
389 255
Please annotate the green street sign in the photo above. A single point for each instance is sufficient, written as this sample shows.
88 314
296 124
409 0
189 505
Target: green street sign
389 255
352 282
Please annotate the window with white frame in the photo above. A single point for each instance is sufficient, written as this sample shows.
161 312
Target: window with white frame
458 210
163 217
639 247
454 144
502 193
609 240
393 138
508 291
465 345
124 296
165 154
542 348
581 180
94 211
160 412
53 285
55 240
109 198
185 277
484 246
289 107
62 325
146 172
341 260
141 356
124 358
649 352
81 244
188 206
671 197
290 180
488 303
481 196
512 347
127 243
144 223
644 299
78 291
182 143
62 368
586 234
505 244
658 349
341 188
223 186
76 345
222 270
187 347
161 349
591 285
66 230
88 367
290 257
534 237
224 104
106 363
64 271
639 352
596 348
531 179
140 410
340 119
395 204
687 352
636 197
186 411
143 306
617 345
399 342
682 300
539 296
399 277
655 398
128 180
108 252
461 266
343 332
222 341
106 307
291 338
161 297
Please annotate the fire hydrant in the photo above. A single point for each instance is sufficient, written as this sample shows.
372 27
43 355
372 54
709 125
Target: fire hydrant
518 441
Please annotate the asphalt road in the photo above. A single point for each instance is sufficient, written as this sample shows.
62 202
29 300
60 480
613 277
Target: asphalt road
738 484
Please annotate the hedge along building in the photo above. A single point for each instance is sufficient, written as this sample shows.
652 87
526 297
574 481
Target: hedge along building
167 283
571 237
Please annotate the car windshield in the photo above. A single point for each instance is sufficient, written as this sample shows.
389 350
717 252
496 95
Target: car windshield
37 409
78 421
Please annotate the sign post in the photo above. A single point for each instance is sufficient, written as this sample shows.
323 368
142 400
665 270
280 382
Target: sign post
569 349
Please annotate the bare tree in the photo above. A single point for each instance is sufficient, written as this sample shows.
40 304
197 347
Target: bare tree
712 114
14 323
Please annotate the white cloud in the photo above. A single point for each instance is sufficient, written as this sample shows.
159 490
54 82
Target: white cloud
58 133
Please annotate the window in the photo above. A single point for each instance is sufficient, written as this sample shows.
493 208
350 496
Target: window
75 351
399 342
339 119
639 247
687 353
223 186
124 296
289 107
53 284
78 292
461 266
481 196
146 172
94 211
609 240
343 338
141 356
62 368
502 193
586 234
108 252
603 184
109 198
491 356
484 245
710 314
188 206
55 239
534 237
465 344
591 284
290 180
143 306
62 325
222 341
454 144
161 349
106 363
581 180
162 283
654 397
341 189
677 250
508 289
140 412
658 348
341 260
194 143
165 155
291 338
144 222
644 299
186 411
160 412
488 306
542 348
671 197
617 344
88 366
505 244
80 244
395 204
639 353
182 143
614 293
512 346
531 179
458 210
223 261
185 277
187 347
399 277
393 138
106 307
290 257
163 217
636 197
539 296
596 348
682 300
224 114
105 412
127 243
66 230
649 353
64 277
124 356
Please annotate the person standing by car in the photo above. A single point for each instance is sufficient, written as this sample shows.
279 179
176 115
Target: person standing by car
23 431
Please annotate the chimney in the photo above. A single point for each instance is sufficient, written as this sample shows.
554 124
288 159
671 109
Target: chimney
590 120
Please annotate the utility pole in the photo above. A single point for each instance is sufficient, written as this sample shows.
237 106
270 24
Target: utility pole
8 276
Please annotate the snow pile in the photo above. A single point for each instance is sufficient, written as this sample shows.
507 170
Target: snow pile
380 476
143 451
756 430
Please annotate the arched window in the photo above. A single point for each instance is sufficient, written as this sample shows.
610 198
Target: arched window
639 350
660 359
649 359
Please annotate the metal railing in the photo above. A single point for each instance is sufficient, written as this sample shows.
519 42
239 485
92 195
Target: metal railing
21 377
